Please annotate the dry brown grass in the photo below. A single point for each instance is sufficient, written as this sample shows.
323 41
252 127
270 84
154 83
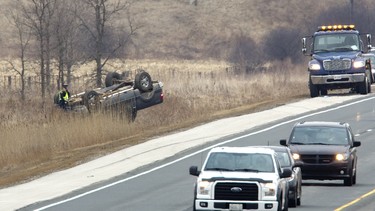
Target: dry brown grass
39 139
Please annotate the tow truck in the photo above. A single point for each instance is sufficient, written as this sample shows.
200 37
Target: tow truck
337 61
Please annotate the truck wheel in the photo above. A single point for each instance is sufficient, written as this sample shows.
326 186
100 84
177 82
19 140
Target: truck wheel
91 100
314 91
363 87
323 92
112 78
143 81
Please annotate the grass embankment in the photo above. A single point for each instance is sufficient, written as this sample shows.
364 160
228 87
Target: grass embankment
38 139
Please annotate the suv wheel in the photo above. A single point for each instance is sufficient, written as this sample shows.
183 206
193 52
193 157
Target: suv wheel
294 201
349 181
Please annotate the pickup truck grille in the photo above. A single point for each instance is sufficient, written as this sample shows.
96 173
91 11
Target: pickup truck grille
236 191
318 159
337 64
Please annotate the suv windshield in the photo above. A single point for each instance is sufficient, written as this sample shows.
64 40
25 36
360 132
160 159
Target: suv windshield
336 42
320 135
257 162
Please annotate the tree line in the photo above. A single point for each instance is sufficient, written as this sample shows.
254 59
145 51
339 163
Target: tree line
69 32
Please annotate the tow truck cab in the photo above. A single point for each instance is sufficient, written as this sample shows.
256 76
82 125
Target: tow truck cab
337 61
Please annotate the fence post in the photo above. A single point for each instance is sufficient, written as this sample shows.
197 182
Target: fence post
9 82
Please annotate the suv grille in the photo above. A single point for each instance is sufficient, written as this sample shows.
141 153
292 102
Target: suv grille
323 159
337 64
236 191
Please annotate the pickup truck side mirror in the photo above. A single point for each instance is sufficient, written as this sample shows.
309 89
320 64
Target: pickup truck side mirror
283 142
193 170
286 173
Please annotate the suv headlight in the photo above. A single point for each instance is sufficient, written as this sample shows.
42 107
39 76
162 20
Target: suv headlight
314 65
204 187
342 156
269 189
296 156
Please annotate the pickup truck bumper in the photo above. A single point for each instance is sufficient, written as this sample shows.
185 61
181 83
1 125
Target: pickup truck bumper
337 79
204 204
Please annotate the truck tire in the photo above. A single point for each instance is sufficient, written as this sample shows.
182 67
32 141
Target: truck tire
91 100
363 87
314 91
112 78
323 92
143 81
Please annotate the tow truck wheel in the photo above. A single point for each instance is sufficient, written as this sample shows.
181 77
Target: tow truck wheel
314 91
323 92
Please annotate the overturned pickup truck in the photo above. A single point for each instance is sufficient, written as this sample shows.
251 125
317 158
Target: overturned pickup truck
120 96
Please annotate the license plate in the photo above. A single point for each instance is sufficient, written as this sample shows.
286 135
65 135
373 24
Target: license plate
336 77
235 207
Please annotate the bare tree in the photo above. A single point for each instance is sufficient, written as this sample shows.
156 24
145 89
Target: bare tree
96 17
67 34
23 35
38 14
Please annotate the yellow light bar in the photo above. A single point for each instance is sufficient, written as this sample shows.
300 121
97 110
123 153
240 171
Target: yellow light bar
336 27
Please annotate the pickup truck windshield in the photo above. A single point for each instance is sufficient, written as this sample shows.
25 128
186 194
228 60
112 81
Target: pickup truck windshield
252 162
336 43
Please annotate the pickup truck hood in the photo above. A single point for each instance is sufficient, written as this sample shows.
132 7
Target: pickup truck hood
319 149
232 175
336 55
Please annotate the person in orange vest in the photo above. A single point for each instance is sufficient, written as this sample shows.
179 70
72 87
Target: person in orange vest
64 96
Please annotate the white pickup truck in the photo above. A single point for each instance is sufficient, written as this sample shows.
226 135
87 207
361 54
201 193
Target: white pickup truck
241 178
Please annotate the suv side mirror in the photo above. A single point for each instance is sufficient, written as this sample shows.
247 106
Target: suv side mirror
193 170
283 142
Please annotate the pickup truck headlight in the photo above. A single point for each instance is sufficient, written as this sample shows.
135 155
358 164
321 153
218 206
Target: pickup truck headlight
204 187
269 189
359 64
314 65
342 156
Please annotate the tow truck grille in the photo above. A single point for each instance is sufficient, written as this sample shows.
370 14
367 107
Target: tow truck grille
236 191
337 64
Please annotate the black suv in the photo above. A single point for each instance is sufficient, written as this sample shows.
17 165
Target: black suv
325 150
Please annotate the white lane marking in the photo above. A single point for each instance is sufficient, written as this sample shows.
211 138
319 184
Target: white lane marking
200 151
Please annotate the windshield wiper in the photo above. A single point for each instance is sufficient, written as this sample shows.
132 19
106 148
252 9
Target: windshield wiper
319 143
321 50
343 49
297 143
248 170
218 169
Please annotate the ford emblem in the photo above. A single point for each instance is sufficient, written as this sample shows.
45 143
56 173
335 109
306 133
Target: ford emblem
236 189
